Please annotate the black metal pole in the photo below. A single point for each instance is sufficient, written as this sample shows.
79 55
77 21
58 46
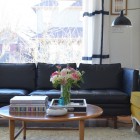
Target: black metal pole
102 33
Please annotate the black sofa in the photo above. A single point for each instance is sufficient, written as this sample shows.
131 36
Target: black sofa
107 85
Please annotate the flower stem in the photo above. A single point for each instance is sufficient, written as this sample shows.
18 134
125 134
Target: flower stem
65 93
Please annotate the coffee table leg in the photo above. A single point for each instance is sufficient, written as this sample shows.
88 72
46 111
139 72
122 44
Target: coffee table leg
12 129
81 129
24 130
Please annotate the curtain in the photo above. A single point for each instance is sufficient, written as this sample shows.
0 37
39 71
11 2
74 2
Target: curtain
95 31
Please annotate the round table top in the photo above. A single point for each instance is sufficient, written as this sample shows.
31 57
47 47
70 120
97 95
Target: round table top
92 111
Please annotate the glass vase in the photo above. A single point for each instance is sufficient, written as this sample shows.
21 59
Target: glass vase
65 93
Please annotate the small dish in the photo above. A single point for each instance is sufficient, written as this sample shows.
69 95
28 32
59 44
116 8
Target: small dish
56 111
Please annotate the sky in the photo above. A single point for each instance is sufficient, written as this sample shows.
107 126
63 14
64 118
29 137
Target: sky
17 13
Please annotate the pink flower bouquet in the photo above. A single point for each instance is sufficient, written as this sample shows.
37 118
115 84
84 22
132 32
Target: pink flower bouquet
66 76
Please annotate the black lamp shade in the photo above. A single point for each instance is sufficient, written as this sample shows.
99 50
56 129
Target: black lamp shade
121 21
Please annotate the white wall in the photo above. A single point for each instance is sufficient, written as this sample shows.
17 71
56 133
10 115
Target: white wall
125 42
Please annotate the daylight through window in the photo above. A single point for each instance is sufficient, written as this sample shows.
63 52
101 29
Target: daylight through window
40 31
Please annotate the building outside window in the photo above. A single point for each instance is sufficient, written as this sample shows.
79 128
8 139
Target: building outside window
41 31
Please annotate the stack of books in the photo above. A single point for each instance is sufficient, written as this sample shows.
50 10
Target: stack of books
28 104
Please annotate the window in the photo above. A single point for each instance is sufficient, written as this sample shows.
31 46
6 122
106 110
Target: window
41 31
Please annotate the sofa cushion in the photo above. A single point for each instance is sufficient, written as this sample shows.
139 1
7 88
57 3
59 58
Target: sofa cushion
50 93
17 76
7 94
91 96
44 72
104 76
102 96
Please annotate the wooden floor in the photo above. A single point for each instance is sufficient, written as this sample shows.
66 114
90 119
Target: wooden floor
126 121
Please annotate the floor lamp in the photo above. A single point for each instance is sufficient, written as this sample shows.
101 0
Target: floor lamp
102 32
121 20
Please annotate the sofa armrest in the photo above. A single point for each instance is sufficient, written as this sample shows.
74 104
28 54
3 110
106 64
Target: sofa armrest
130 80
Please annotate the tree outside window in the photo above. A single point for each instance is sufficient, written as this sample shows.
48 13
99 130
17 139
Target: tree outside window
41 31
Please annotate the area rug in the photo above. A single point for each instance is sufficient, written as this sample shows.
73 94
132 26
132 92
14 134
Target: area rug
91 133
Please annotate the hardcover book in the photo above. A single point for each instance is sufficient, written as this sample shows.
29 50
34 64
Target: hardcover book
28 104
27 109
29 99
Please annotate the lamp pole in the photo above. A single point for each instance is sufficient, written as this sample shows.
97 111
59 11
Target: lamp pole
102 33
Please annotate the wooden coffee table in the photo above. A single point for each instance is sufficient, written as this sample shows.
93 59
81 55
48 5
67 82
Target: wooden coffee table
92 112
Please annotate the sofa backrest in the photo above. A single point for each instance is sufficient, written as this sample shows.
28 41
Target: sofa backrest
101 76
44 71
17 76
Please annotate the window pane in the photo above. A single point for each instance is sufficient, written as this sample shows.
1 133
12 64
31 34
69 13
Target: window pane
41 31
